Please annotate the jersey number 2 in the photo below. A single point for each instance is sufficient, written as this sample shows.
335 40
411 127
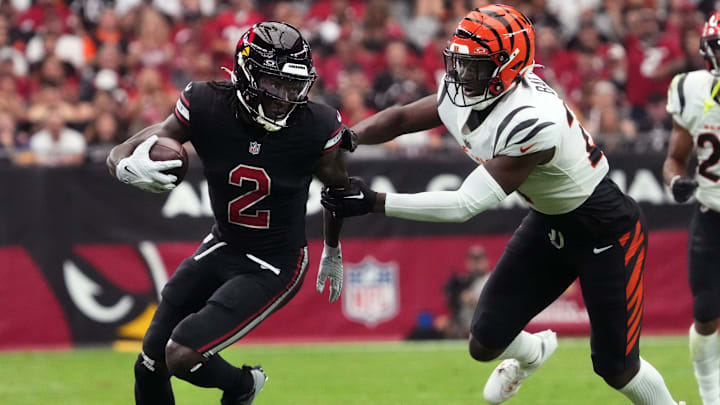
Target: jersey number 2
238 208
713 159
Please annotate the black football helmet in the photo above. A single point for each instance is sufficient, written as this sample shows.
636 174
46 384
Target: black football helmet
273 72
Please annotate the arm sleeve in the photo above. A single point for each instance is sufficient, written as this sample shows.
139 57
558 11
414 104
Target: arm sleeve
478 193
182 106
676 100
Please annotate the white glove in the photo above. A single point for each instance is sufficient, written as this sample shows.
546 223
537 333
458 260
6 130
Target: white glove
144 173
331 267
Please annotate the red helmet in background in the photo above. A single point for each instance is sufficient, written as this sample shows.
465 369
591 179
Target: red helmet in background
492 48
710 43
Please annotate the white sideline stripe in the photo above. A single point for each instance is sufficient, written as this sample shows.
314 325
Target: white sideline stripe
210 250
269 310
263 264
155 264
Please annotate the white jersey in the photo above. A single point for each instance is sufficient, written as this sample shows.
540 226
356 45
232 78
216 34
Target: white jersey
528 119
690 103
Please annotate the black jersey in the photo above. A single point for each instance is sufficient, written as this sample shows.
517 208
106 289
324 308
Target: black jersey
258 180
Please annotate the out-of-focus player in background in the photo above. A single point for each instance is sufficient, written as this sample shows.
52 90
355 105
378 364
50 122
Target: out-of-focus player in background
693 102
260 141
526 139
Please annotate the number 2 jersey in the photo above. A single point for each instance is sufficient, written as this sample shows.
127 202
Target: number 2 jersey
258 181
692 107
528 119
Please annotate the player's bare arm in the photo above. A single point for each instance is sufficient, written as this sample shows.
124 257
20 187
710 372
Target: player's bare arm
483 189
675 168
392 122
170 128
331 171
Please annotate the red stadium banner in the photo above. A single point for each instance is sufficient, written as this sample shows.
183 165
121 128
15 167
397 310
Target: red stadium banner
83 257
388 282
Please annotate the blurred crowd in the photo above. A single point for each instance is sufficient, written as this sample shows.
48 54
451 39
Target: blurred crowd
78 76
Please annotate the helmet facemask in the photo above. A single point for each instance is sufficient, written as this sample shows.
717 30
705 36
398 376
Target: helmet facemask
710 50
474 79
270 95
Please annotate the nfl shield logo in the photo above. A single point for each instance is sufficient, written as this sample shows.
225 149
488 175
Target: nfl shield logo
254 148
371 292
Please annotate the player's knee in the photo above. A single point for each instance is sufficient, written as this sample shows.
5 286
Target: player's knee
181 360
480 352
618 377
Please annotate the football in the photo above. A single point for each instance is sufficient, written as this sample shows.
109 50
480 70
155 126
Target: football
169 149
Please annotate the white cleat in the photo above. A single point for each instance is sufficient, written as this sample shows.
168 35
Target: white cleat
506 379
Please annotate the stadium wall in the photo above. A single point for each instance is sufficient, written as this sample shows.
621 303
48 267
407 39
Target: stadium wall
83 257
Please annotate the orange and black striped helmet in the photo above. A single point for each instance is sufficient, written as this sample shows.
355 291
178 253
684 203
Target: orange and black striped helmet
492 48
710 43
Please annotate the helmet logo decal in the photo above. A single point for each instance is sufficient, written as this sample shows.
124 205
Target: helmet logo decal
460 48
246 51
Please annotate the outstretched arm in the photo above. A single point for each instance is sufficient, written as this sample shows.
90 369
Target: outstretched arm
675 167
392 122
484 188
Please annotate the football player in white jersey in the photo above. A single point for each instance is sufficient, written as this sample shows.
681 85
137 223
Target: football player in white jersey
580 224
693 103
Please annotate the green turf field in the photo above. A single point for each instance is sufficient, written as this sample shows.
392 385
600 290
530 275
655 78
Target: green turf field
437 373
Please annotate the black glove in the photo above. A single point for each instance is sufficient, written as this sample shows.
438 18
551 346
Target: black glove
349 140
354 199
682 188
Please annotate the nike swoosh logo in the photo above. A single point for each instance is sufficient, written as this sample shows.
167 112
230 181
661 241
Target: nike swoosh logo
356 196
127 169
523 150
597 251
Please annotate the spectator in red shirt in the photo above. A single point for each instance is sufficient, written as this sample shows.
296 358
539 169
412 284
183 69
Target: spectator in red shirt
36 16
349 52
378 26
653 59
229 26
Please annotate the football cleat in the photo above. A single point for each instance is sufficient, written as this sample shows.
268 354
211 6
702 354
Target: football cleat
506 379
259 378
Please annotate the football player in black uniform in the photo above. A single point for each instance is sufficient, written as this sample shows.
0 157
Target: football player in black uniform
260 141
